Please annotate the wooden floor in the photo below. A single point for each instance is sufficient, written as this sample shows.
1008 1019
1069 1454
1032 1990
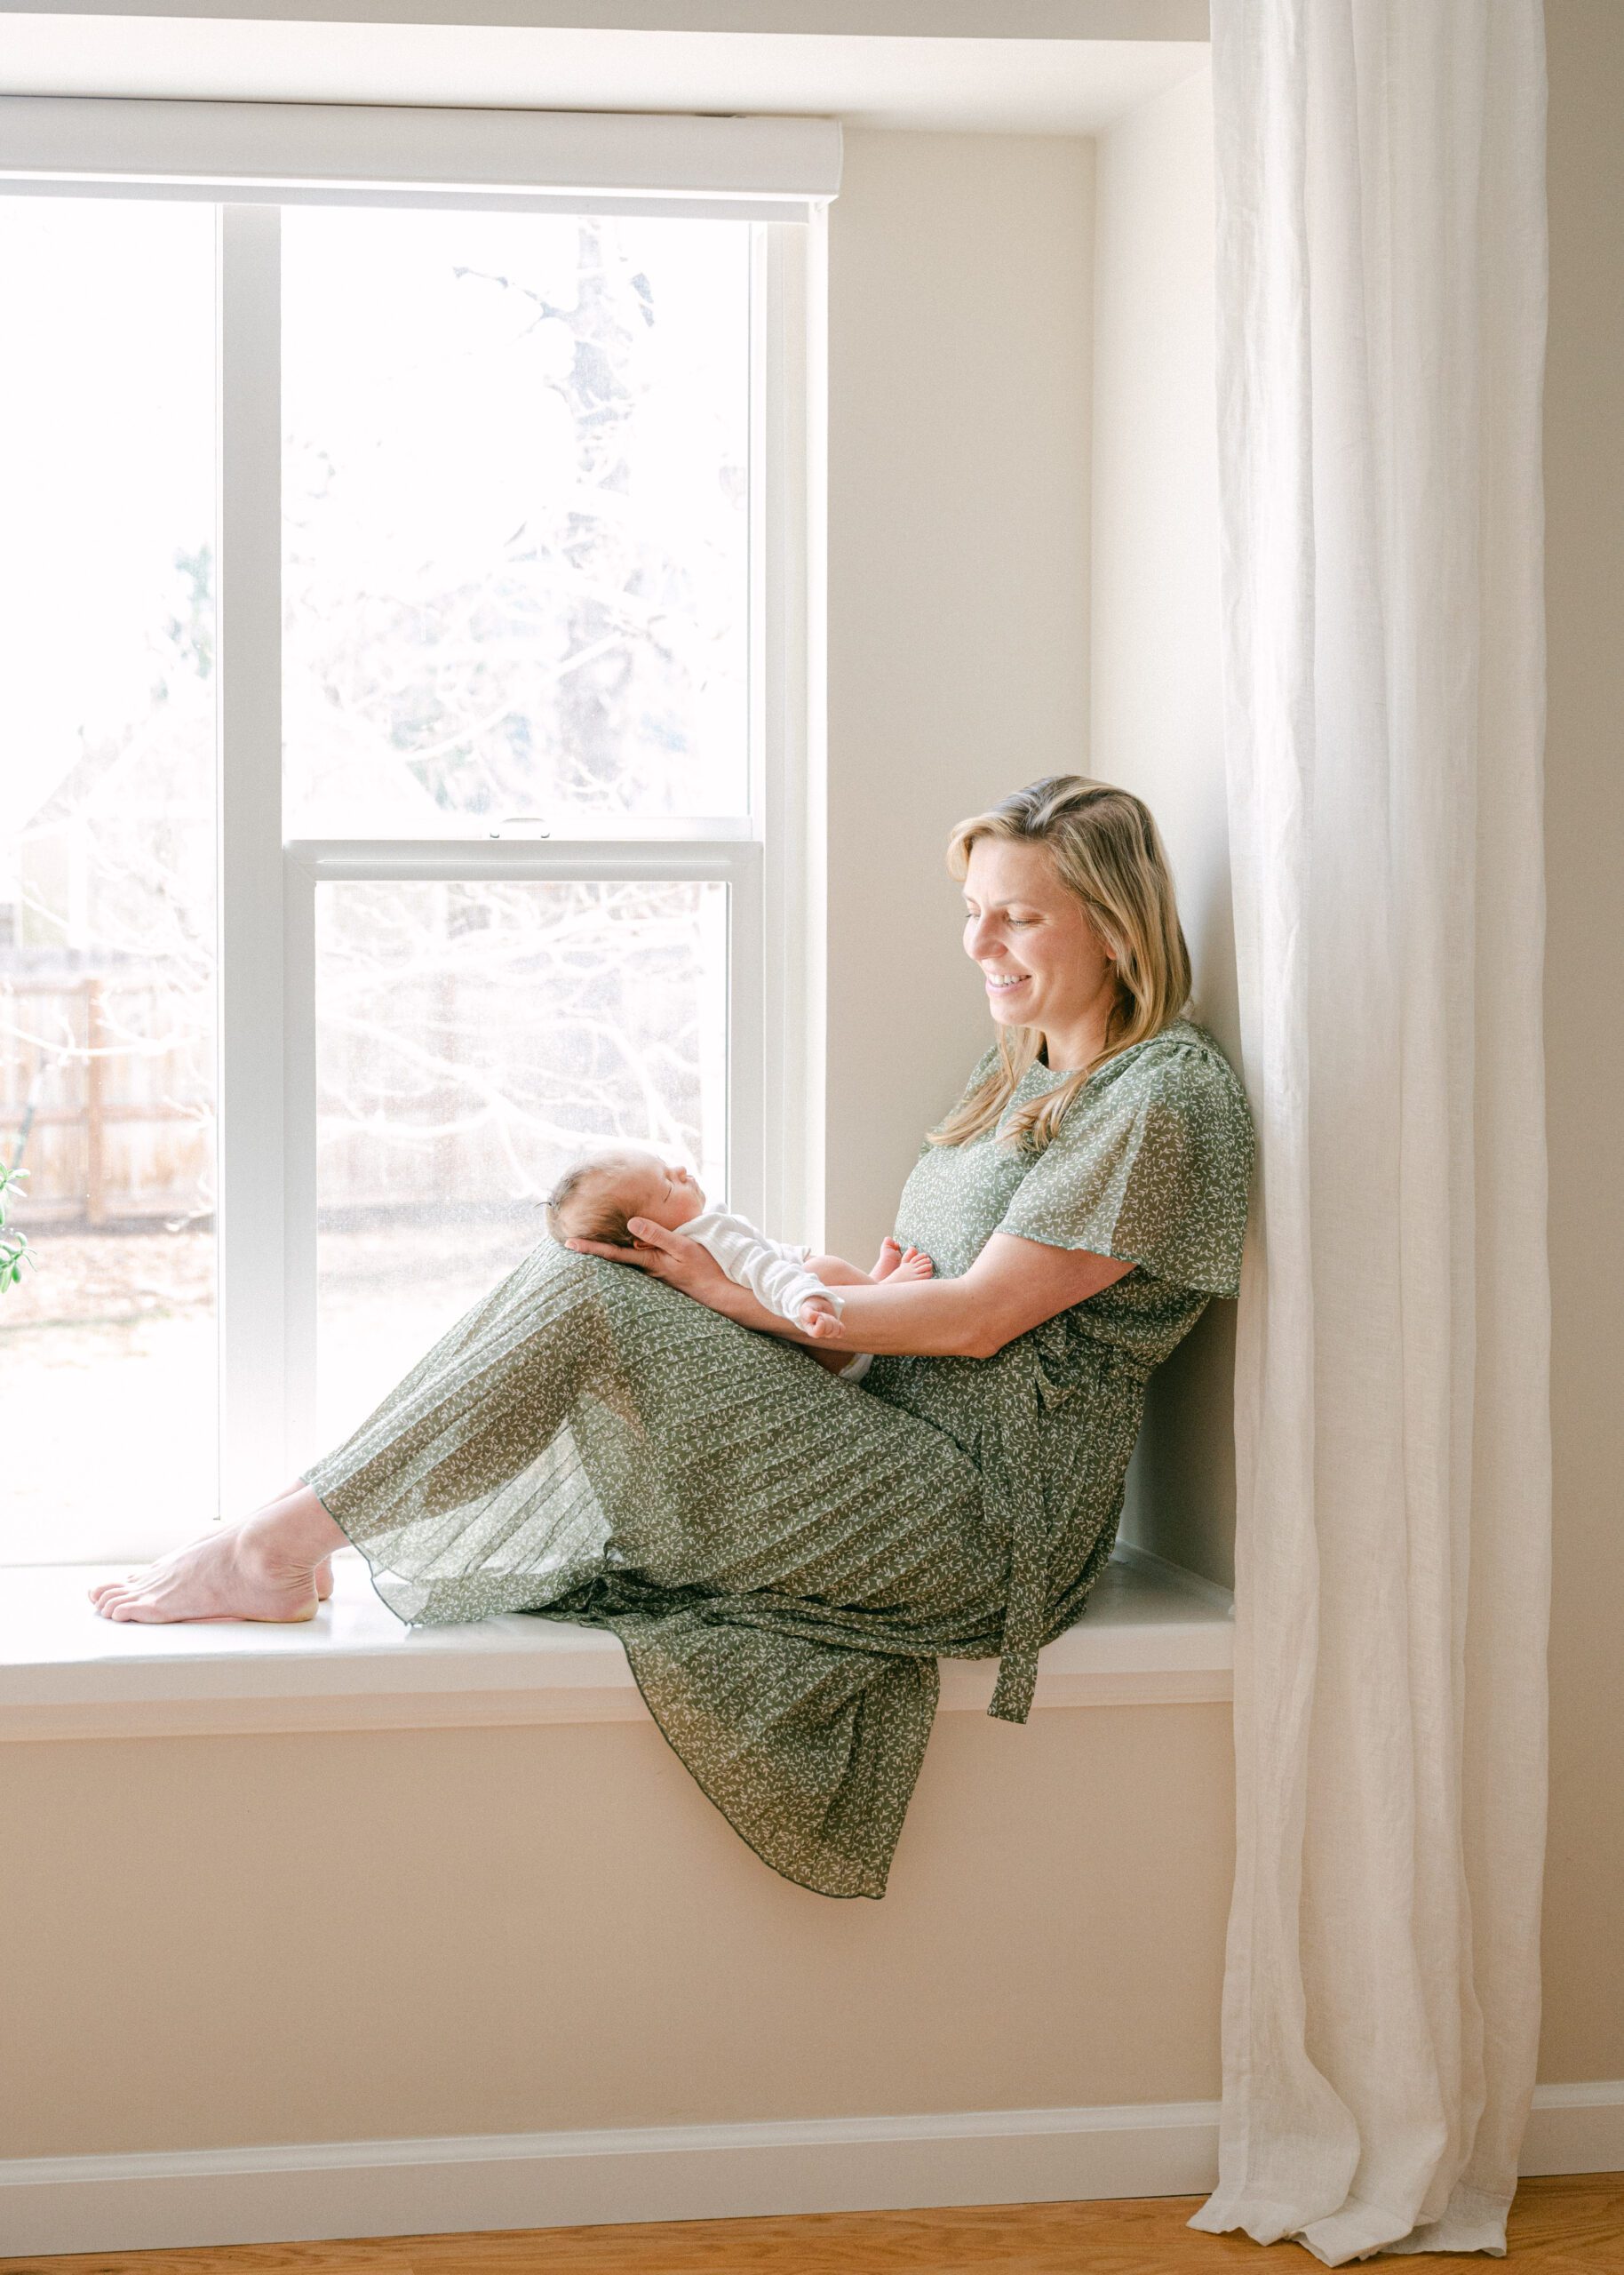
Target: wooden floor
1558 2227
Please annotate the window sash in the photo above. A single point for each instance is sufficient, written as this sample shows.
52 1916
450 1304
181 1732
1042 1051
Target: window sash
734 861
757 169
266 1211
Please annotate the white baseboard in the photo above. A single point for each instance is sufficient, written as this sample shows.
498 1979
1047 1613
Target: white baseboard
320 2190
547 2180
1575 2129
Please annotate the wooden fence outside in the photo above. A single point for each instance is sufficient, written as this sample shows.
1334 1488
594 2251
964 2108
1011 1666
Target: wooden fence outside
94 1151
439 1091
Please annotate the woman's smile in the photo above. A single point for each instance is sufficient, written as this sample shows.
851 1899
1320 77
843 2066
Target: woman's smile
1063 985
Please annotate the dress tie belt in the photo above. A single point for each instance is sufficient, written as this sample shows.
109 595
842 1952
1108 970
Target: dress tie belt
1012 1478
1009 1473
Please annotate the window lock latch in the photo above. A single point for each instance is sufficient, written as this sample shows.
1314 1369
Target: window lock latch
534 824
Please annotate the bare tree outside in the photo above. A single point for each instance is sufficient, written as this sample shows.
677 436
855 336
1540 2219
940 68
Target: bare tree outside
515 541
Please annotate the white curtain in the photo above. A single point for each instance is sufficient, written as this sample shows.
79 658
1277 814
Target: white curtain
1382 281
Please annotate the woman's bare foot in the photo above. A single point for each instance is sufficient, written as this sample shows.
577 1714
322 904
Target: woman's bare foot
265 1568
898 1263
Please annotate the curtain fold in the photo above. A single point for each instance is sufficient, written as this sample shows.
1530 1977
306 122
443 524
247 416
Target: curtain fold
1381 284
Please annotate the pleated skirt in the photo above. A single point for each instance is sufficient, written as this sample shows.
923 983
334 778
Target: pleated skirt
783 1555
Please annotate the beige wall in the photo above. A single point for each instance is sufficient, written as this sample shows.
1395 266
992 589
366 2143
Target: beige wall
1584 476
899 18
217 1941
223 1941
959 327
1156 693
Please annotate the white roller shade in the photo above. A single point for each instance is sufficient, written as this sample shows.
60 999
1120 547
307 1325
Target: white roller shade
774 169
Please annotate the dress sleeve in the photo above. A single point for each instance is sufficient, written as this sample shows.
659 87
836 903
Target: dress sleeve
1154 1174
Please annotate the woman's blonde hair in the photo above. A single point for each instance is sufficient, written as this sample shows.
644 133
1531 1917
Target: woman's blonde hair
1107 849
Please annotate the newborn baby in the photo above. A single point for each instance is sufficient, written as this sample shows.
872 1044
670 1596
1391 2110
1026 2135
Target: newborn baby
595 1197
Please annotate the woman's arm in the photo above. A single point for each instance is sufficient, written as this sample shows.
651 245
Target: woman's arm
1013 1286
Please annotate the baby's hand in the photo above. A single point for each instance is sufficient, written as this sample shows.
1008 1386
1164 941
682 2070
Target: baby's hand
819 1317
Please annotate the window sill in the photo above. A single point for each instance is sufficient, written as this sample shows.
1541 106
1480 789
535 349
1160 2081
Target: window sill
1153 1636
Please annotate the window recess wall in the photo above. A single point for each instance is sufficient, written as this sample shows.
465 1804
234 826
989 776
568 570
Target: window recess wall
508 615
1156 694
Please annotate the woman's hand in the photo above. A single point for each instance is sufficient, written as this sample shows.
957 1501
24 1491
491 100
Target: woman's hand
667 1255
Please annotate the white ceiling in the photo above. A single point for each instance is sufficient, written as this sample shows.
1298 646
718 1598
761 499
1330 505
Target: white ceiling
1033 86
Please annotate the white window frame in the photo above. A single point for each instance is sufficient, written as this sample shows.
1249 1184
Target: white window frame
770 860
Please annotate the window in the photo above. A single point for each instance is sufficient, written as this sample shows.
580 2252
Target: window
108 913
406 787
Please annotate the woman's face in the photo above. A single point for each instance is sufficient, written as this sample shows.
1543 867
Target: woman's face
1044 964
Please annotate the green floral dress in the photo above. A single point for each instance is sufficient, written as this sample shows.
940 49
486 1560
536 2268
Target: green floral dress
786 1556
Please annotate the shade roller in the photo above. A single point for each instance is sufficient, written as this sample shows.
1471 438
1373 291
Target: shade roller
774 168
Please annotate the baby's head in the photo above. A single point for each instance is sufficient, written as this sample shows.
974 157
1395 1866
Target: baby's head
595 1196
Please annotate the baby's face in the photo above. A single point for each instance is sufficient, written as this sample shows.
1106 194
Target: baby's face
665 1191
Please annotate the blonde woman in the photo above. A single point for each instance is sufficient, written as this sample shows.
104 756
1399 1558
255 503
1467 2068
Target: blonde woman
784 1557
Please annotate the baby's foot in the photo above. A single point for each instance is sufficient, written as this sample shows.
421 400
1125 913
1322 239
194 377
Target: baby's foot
898 1263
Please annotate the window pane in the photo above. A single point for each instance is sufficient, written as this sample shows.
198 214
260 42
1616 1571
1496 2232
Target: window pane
471 1038
107 1370
515 520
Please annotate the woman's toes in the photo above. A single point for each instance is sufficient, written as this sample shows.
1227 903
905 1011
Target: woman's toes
133 1605
108 1595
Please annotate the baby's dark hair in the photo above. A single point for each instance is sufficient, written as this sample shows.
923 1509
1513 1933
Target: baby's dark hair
589 1219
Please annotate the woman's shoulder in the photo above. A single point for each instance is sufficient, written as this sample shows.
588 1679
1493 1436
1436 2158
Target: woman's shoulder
1181 1062
1175 1093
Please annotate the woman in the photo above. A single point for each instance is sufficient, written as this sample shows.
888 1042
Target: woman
784 1556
